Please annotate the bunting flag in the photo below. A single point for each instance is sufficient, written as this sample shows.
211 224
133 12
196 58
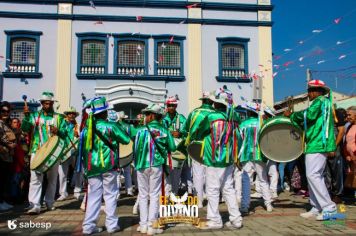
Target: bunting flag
138 18
337 20
92 4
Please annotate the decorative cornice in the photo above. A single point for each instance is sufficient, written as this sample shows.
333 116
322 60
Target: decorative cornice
156 4
128 77
146 19
232 80
27 32
22 75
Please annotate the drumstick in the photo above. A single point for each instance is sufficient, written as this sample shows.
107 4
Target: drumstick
24 98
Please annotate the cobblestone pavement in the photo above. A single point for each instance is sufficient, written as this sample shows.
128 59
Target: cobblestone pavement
284 220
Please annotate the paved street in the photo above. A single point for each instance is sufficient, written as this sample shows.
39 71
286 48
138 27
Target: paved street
284 220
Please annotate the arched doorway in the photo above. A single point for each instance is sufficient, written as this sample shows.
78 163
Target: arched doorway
131 109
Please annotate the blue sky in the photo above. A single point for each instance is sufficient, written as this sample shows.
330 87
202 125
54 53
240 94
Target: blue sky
294 21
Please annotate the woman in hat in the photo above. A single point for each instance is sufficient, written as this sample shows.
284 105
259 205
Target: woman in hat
318 123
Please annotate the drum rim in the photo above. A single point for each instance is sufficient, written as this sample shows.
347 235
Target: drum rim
124 158
279 120
195 142
40 166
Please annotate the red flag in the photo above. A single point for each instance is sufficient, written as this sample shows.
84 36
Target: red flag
288 63
337 20
276 57
192 5
138 18
171 39
161 58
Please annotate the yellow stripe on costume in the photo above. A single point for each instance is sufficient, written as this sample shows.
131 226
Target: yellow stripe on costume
202 149
102 156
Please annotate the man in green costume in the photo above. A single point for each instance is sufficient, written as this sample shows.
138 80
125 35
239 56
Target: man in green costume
190 129
42 125
99 144
318 123
220 151
153 143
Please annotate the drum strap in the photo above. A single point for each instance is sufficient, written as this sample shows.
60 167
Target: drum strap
158 149
106 142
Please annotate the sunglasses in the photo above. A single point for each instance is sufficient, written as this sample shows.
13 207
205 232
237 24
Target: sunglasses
171 105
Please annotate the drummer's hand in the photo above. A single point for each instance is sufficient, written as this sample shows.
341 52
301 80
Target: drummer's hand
175 134
331 154
54 130
26 110
287 113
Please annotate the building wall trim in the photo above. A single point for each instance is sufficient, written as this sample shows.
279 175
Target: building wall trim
146 19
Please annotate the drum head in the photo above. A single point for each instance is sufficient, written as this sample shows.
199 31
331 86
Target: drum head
44 151
178 156
281 141
194 151
125 150
125 161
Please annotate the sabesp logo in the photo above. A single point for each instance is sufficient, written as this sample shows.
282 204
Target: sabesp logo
11 224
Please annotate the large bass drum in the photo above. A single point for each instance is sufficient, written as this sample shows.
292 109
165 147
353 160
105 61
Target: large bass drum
47 155
125 154
280 140
195 151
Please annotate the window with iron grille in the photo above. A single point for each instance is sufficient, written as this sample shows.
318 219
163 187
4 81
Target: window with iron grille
22 56
92 54
93 57
131 57
233 58
169 55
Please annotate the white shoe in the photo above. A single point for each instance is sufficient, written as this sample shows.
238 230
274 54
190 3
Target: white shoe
200 205
256 195
82 206
114 230
327 215
274 194
78 196
61 198
34 211
152 231
135 209
142 229
269 207
205 196
231 225
309 214
286 186
211 225
102 208
9 206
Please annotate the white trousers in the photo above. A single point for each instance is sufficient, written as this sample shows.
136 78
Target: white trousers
62 176
149 186
128 179
77 181
199 180
99 186
242 188
172 181
261 170
273 175
35 189
221 179
319 195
